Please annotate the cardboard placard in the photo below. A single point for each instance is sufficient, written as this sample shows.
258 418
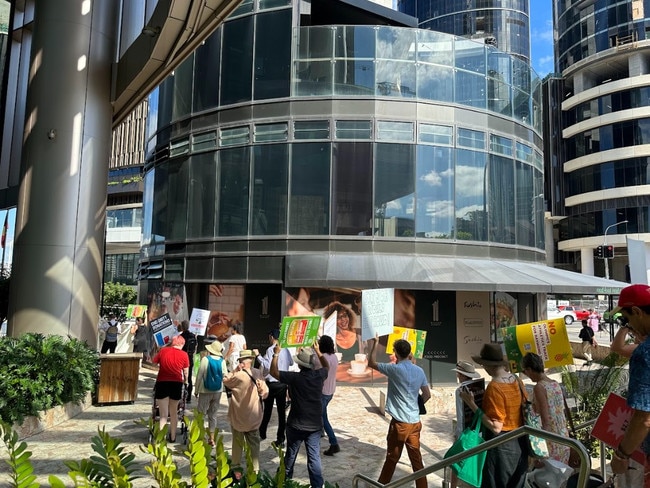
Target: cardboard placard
612 422
163 329
416 338
299 331
199 321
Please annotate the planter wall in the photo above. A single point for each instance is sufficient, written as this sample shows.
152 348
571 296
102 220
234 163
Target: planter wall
51 417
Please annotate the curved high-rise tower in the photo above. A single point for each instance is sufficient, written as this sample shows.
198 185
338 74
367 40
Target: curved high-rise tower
504 24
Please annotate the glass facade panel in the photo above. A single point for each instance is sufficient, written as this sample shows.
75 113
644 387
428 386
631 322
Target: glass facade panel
394 131
471 138
470 191
271 132
148 207
178 177
436 134
206 73
352 190
435 83
528 205
237 61
202 195
434 188
499 97
205 141
394 205
160 205
315 43
435 48
313 78
234 136
499 66
121 268
395 43
354 77
272 55
470 89
234 176
182 77
124 217
470 55
354 42
501 204
311 129
353 129
264 4
310 189
395 79
500 145
270 190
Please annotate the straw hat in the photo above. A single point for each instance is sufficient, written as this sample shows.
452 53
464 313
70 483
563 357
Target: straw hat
490 355
466 369
215 348
246 354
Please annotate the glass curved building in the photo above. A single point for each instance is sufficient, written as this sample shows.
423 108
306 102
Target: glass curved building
504 24
601 51
299 163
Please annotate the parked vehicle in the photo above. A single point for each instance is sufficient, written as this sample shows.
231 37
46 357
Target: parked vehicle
569 316
580 313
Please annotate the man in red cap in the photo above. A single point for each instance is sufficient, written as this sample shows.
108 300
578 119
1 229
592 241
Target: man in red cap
634 305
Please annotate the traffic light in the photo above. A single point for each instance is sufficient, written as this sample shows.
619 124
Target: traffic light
600 252
608 252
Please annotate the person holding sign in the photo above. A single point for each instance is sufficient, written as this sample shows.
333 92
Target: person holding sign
405 381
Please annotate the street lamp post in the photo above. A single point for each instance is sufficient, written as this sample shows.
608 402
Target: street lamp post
605 245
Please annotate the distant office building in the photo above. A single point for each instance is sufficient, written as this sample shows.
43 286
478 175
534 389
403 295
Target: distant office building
603 57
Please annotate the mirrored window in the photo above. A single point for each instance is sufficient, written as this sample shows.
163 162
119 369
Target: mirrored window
470 192
435 82
237 61
471 138
178 177
269 199
352 190
501 202
434 189
272 55
436 134
394 206
353 129
310 189
206 73
202 195
234 176
394 131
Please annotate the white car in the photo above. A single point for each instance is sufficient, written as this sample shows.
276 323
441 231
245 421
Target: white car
569 316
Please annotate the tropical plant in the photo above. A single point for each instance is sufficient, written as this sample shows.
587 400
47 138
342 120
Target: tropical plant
40 372
5 281
112 467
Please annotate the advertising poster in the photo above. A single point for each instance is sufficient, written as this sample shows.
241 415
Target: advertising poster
136 311
163 329
417 339
299 331
612 423
548 338
377 313
199 321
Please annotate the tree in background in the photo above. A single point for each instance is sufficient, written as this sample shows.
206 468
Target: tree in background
5 279
116 297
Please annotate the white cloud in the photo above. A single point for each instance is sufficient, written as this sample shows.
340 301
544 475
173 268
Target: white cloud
469 181
462 212
432 178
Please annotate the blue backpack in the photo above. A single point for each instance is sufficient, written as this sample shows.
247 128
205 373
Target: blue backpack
214 374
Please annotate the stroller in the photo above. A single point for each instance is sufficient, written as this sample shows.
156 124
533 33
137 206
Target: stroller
181 429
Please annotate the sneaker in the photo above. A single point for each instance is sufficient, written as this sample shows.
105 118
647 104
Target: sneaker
277 445
334 448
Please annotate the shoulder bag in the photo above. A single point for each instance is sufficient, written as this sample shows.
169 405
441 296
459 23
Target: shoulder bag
537 446
469 470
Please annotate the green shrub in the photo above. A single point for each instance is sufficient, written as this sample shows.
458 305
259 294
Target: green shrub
41 372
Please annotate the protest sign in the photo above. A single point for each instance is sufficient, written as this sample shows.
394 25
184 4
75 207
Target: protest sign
414 337
377 312
299 331
163 329
548 338
135 311
612 422
464 414
199 321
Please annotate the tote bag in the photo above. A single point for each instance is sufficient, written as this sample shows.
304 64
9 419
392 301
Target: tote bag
469 470
537 446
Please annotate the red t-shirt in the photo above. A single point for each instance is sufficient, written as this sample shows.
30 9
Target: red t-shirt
172 361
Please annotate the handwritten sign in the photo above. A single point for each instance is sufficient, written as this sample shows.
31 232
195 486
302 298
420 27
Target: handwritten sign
377 312
299 331
199 321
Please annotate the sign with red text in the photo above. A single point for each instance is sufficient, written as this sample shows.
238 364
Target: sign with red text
299 331
548 338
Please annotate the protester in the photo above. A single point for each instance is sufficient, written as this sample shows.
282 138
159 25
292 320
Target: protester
190 349
548 401
634 305
234 345
305 421
209 398
588 341
245 408
405 381
326 345
506 464
277 389
173 372
111 332
140 333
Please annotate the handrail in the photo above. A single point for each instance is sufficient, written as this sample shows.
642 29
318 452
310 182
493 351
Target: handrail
585 460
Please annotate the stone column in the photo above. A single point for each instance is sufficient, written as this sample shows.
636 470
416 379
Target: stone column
587 260
58 254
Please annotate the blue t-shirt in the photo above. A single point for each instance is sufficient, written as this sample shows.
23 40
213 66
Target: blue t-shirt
638 389
404 382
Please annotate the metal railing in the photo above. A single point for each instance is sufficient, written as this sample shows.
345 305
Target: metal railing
583 473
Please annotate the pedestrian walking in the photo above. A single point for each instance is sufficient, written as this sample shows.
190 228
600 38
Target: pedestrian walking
209 385
326 345
588 341
190 349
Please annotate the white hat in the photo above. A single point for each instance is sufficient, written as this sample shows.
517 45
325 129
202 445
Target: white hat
467 369
303 358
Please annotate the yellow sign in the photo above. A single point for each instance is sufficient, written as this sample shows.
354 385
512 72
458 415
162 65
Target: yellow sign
413 336
548 338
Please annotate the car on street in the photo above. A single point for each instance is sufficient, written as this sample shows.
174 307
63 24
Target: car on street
569 316
580 313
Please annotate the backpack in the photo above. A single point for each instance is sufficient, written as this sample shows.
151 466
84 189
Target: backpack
213 374
190 343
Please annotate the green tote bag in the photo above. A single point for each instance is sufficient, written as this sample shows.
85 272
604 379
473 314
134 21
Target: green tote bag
469 470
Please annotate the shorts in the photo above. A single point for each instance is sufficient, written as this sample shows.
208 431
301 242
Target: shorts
171 389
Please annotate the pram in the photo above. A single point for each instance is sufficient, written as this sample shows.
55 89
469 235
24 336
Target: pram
181 429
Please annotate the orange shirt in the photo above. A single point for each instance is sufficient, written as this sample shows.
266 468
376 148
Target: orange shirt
502 402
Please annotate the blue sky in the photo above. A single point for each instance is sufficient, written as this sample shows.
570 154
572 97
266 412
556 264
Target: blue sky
541 36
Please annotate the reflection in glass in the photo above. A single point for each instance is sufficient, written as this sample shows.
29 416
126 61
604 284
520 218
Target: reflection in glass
237 61
434 187
354 77
183 75
394 205
434 47
176 214
313 78
395 43
206 73
470 89
470 55
354 42
501 200
471 202
233 191
310 189
202 200
269 203
395 79
272 55
352 191
435 83
147 207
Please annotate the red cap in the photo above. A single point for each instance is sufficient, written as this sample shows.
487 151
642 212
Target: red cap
634 296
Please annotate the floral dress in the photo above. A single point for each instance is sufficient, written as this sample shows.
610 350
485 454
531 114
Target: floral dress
558 423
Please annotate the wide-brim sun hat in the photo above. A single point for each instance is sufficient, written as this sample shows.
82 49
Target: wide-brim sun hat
215 348
303 358
491 355
467 369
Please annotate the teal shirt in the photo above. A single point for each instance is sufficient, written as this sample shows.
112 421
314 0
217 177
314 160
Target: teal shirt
404 382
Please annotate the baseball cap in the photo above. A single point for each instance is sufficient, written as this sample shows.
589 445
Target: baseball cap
633 296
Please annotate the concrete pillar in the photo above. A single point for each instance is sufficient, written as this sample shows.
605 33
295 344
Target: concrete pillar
58 254
587 260
637 64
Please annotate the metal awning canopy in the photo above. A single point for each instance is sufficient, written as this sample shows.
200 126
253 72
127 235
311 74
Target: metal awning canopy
439 273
